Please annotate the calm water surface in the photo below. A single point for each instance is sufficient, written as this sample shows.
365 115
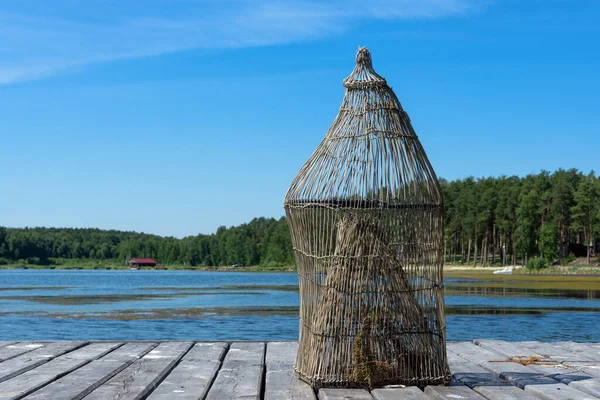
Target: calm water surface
186 305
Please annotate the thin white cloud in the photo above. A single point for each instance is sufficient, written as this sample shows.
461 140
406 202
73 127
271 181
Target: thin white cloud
38 43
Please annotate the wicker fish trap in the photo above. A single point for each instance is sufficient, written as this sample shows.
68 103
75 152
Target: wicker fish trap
365 214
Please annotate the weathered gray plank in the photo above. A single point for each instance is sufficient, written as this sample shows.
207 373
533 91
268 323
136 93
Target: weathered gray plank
194 374
557 391
280 382
12 350
474 351
547 367
484 382
282 353
32 359
454 358
407 393
508 349
452 393
560 372
4 344
141 377
585 351
490 360
344 394
555 352
542 386
284 384
590 368
499 365
589 386
471 374
241 373
493 392
34 379
82 381
589 350
524 377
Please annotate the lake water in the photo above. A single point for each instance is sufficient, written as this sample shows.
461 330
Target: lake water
190 305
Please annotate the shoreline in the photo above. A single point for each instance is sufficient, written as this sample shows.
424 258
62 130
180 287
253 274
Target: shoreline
518 270
111 267
449 269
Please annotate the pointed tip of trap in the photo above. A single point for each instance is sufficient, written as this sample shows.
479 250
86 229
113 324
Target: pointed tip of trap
364 76
363 56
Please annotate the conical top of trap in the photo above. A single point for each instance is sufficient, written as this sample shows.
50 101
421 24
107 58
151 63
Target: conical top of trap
371 155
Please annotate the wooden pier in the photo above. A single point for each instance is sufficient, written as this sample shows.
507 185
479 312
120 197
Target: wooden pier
485 369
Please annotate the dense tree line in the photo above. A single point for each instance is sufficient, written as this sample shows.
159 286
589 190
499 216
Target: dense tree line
550 216
487 220
263 241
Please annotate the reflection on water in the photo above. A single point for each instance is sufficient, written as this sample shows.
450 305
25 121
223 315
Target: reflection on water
178 313
494 291
287 288
520 292
154 305
115 298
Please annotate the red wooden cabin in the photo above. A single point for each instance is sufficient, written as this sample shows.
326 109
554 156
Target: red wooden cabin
142 262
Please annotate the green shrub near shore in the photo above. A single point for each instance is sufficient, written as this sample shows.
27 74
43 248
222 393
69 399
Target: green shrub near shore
536 263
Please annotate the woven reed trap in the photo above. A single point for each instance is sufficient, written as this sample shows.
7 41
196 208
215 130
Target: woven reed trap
365 214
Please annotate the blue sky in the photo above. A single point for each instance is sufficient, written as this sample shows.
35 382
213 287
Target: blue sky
176 116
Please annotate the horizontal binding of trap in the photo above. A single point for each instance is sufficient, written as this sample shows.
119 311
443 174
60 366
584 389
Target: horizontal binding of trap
322 382
360 204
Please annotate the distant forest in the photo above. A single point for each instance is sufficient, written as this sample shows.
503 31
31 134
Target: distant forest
549 216
263 241
487 220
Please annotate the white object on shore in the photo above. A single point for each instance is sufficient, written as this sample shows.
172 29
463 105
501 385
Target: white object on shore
504 271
